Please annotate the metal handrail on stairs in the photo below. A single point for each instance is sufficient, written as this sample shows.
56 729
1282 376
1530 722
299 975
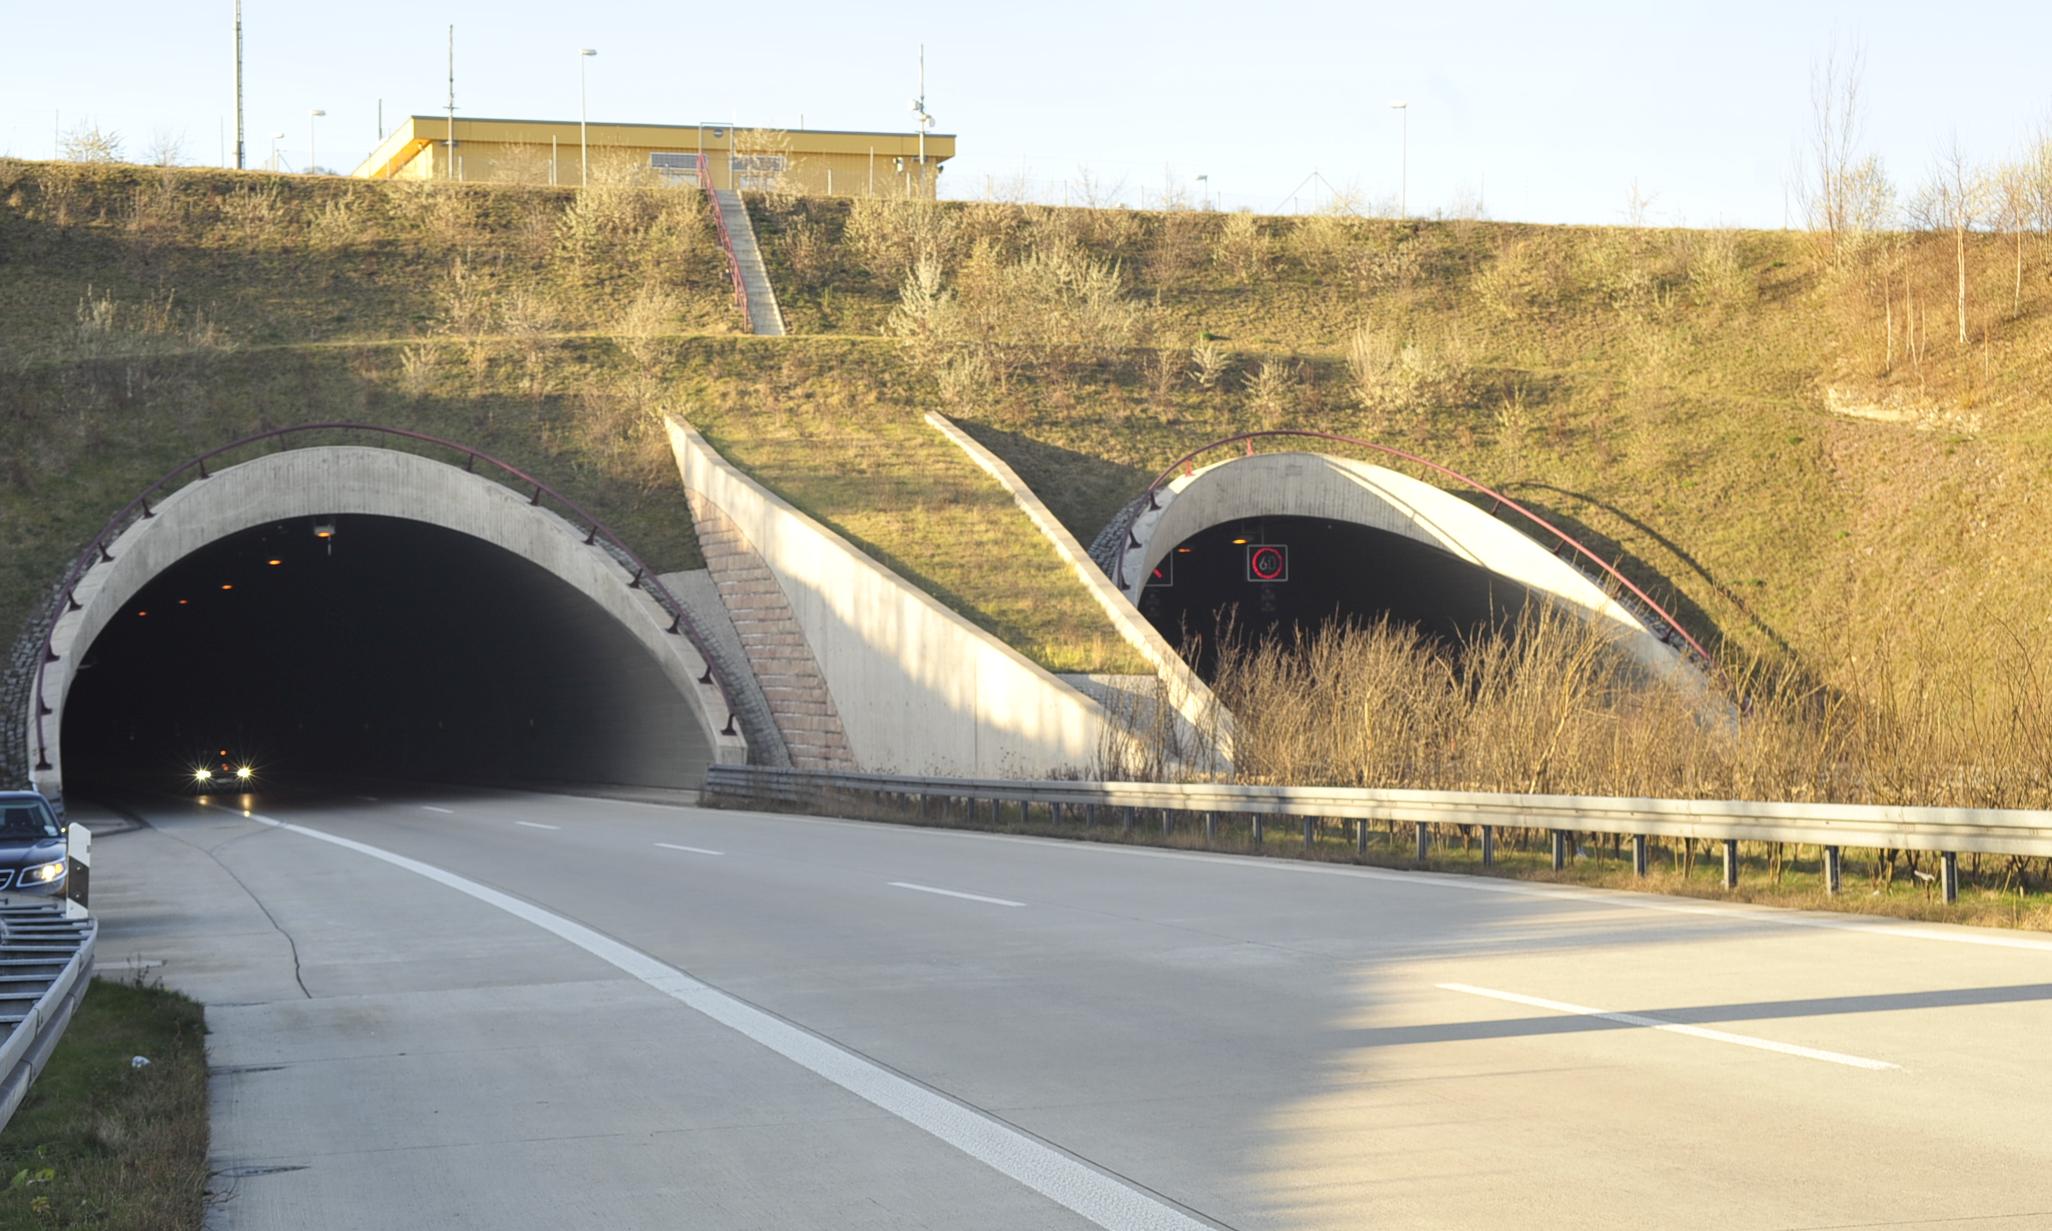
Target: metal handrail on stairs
712 197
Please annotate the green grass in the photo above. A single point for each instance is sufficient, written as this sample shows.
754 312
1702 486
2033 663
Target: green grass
99 1144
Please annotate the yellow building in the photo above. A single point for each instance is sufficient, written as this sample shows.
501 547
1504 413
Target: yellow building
822 161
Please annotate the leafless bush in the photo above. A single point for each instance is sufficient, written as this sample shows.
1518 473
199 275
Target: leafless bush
1392 372
1240 247
255 214
1209 364
1718 276
1523 277
646 325
88 142
445 213
1054 309
338 223
888 236
1272 391
110 328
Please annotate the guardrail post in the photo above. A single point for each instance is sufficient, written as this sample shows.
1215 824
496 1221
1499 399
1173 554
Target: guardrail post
1948 874
1210 827
1257 832
1424 842
78 851
1731 863
1831 869
1361 836
1488 846
1167 818
1309 825
1125 820
1559 849
1054 814
1638 854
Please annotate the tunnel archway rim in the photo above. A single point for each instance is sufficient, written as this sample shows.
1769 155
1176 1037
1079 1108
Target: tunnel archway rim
1185 466
64 599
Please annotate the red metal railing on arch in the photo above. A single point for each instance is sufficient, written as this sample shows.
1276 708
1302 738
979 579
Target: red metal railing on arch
643 577
1186 464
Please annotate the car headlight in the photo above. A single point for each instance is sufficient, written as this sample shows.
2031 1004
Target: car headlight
244 773
202 775
44 873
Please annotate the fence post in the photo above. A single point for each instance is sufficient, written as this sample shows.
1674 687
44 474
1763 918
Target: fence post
1948 874
1731 863
1559 849
1638 854
1424 842
1831 869
1488 846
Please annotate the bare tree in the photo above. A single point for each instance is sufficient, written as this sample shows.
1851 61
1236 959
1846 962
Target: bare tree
1844 195
2016 206
167 149
90 143
1957 200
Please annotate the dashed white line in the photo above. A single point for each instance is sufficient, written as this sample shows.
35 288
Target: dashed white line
1096 1195
696 850
1657 1023
950 893
443 811
537 825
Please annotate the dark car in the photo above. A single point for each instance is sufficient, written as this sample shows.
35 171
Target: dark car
221 772
32 851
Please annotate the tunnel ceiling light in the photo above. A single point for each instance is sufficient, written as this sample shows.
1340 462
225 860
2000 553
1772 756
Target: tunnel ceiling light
1184 551
1239 542
274 563
140 614
324 529
184 602
227 585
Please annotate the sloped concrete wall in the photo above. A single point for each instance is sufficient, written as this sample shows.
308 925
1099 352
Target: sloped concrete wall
356 480
918 688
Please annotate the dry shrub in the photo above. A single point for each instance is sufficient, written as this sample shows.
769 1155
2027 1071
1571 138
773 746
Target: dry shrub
648 324
254 215
446 214
1273 390
1525 276
528 322
1392 372
1240 247
1209 363
1718 276
888 236
338 223
806 251
1179 246
108 328
469 309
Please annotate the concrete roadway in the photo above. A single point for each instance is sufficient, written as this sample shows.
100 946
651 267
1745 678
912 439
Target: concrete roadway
1018 1029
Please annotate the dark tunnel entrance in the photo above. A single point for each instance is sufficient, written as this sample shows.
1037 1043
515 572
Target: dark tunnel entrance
1277 575
389 649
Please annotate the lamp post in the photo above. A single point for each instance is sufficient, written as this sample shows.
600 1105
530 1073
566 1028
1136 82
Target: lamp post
275 139
1204 190
583 142
1404 174
313 115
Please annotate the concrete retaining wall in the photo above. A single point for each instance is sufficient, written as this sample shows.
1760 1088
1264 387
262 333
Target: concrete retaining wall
918 688
384 482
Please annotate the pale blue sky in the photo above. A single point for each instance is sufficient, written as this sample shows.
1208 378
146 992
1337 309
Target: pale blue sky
1552 111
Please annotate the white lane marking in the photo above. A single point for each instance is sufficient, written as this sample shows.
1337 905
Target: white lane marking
443 811
696 850
1039 1165
537 825
369 799
950 893
1658 1023
1612 899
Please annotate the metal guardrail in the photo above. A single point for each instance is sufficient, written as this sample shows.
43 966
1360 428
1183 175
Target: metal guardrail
65 600
46 961
1657 618
1831 827
712 198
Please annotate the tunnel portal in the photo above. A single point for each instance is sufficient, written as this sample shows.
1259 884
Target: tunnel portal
372 646
1275 576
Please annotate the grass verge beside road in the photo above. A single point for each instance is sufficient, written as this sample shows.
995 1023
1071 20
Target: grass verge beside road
99 1143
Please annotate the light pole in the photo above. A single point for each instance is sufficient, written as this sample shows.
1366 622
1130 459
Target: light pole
275 139
1204 190
313 115
1404 175
583 143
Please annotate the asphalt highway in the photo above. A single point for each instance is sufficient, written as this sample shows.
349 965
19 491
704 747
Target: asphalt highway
519 1010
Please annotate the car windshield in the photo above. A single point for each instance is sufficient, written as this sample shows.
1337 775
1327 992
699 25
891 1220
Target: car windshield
26 818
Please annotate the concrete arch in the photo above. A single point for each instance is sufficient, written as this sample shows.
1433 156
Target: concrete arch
1317 485
356 480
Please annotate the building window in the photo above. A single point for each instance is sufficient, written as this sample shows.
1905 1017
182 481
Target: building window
675 168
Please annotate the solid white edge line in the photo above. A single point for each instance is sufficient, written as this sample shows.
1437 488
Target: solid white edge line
950 893
1061 1177
537 825
444 811
1613 899
1658 1023
695 850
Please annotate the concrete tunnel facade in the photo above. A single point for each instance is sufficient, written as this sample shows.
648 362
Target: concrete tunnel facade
515 590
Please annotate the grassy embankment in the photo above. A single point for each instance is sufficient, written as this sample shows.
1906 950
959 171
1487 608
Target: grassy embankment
103 1145
148 315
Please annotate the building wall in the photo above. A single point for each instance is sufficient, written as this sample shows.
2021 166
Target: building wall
817 163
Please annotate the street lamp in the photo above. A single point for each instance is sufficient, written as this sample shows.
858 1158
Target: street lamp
1204 190
583 143
313 115
275 139
1404 180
